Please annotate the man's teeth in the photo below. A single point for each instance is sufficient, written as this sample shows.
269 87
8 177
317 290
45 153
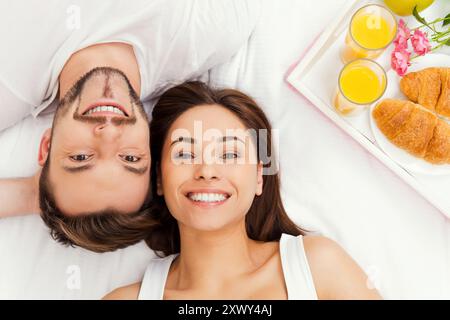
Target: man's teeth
207 197
105 108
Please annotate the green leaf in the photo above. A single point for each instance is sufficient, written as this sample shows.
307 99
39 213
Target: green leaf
447 43
418 17
446 20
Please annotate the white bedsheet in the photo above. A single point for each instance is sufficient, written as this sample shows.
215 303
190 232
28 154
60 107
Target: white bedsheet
330 184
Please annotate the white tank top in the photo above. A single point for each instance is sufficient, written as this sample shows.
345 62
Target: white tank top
297 274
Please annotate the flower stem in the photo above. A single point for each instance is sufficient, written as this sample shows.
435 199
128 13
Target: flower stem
440 35
429 23
437 47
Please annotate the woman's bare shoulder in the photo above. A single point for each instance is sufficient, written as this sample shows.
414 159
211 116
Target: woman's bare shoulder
318 246
336 275
322 252
130 292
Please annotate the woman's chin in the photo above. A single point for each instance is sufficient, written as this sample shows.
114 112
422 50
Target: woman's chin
208 225
205 223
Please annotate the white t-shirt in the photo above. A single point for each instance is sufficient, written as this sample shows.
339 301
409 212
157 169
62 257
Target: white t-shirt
173 40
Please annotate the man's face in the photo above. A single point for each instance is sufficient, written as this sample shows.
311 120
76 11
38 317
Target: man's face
100 155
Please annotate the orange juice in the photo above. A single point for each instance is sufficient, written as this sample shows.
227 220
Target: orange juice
372 28
371 31
361 82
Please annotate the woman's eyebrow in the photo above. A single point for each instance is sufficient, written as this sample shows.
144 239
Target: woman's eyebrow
229 138
192 140
183 139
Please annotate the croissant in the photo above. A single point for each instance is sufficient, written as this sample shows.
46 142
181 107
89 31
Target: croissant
415 129
429 87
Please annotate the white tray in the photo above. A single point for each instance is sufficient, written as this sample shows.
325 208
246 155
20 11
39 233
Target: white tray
316 78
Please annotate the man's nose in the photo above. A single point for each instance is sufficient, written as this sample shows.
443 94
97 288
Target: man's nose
108 131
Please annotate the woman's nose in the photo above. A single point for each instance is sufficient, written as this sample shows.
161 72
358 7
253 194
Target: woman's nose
207 172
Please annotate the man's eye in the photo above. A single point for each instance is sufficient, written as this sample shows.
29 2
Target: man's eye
80 157
128 158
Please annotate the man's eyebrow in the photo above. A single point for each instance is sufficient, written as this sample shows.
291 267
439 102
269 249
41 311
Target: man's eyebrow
183 139
78 169
138 171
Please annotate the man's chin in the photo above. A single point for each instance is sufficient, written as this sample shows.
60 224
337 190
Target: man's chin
112 93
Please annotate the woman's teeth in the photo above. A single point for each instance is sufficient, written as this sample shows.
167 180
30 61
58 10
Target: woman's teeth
105 108
207 197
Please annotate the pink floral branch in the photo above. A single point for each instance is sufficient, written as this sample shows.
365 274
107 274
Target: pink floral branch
418 41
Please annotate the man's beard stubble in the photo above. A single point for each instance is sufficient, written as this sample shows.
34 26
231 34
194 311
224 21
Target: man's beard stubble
76 91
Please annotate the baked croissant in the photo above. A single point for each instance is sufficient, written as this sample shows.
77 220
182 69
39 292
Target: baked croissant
429 87
415 129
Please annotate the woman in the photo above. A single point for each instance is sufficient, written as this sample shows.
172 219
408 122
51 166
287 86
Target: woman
222 231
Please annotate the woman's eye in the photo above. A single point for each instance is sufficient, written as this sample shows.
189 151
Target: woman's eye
230 155
184 155
129 158
80 157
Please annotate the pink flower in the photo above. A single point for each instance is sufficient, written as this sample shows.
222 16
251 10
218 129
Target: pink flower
400 60
420 43
403 35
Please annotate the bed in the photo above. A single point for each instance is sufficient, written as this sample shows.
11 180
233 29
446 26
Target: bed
330 185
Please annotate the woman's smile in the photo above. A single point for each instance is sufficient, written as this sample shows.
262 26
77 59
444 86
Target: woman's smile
207 198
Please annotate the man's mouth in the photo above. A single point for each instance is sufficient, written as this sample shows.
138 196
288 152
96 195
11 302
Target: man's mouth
110 109
208 197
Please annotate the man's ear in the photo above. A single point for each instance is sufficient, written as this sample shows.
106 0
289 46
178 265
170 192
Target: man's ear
44 147
159 189
260 180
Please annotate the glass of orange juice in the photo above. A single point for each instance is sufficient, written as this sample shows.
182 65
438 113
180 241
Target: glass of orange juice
372 28
361 82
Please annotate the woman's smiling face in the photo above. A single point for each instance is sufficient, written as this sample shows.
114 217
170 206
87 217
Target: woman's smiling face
209 173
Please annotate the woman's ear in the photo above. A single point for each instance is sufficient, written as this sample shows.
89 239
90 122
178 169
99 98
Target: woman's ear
44 147
159 189
260 180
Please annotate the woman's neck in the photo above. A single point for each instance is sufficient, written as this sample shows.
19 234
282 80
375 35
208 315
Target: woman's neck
208 260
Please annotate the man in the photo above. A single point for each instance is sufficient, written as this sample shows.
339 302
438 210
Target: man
97 64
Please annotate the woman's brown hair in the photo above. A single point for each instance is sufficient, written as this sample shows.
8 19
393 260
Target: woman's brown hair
266 219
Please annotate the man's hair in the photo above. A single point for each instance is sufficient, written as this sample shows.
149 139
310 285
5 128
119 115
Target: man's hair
103 231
